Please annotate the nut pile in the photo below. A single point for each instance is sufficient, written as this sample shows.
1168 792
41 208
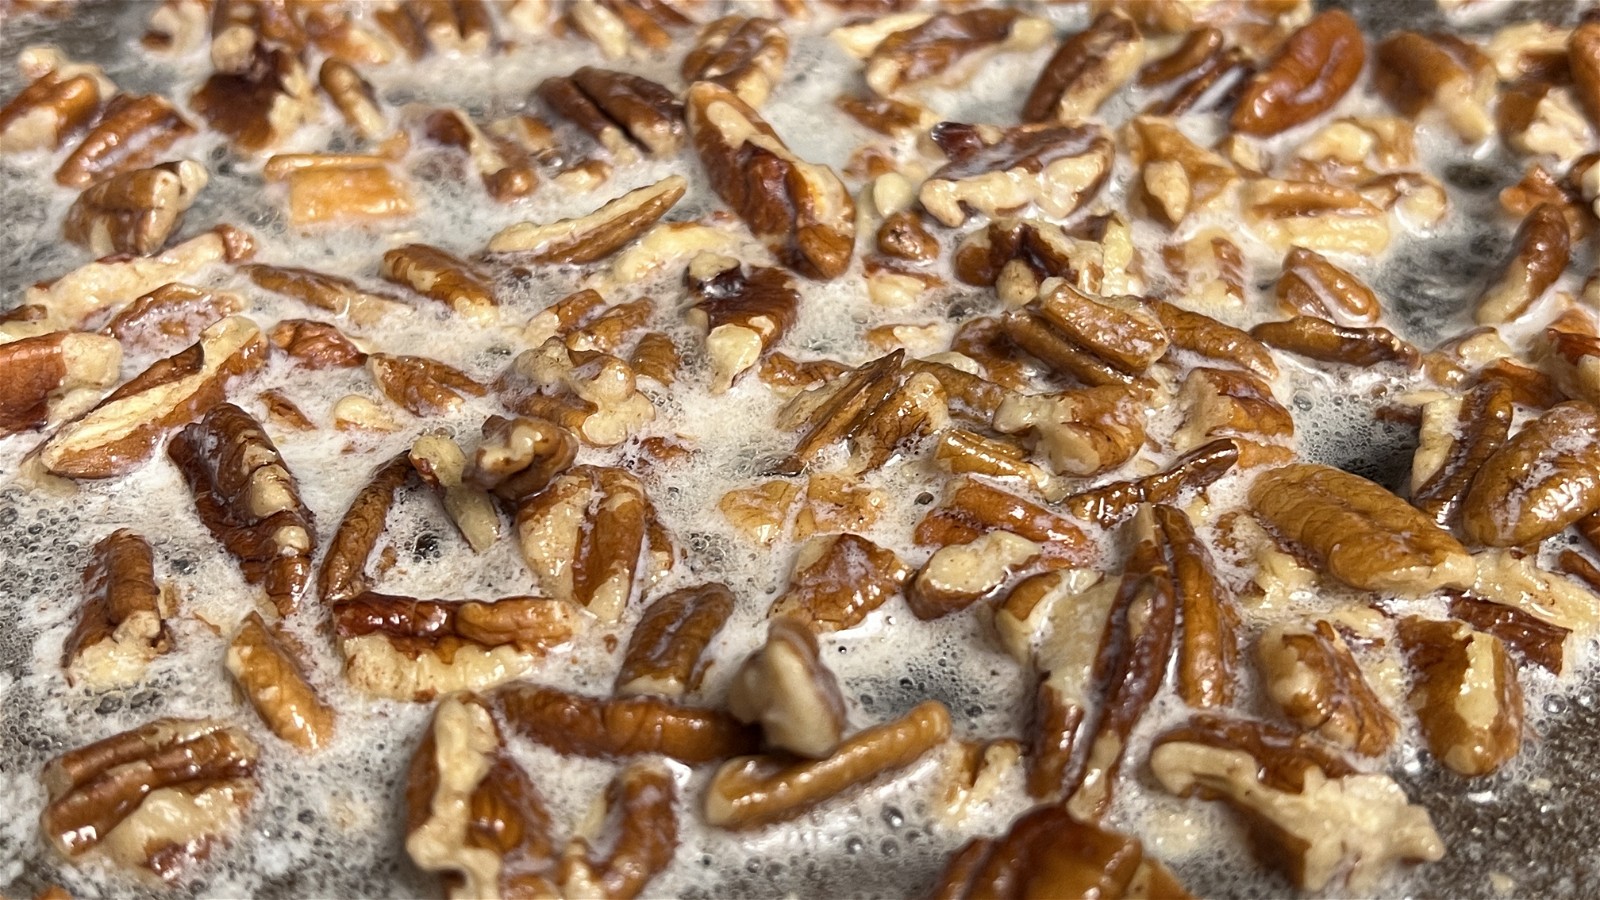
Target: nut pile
720 422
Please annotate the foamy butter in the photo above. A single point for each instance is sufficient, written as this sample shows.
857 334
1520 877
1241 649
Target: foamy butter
331 824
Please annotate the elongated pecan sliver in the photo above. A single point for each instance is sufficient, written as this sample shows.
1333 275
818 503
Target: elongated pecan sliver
1208 648
344 566
273 680
625 726
1476 432
1316 66
643 797
121 623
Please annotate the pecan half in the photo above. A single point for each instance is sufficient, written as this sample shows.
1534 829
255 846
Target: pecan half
1316 66
1363 535
959 575
265 668
1415 71
967 452
1312 676
41 377
158 797
442 464
249 501
947 46
620 111
1325 341
1467 695
1086 70
665 651
1208 649
1313 814
54 106
1048 853
316 345
1312 286
743 312
136 211
121 625
584 538
1543 479
616 26
742 53
517 458
423 386
442 276
642 798
752 791
837 581
121 432
785 687
993 170
595 236
577 725
472 814
802 210
131 133
1540 252
1457 437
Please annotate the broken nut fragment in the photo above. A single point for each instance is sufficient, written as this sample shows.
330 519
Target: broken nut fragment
422 386
1457 437
134 212
1312 286
273 680
786 689
584 536
597 235
665 651
619 110
439 275
1543 479
1312 676
743 54
1048 853
837 581
743 314
517 458
994 170
55 105
42 377
944 47
130 134
577 725
1086 70
1467 695
1540 252
122 622
1416 71
643 798
442 464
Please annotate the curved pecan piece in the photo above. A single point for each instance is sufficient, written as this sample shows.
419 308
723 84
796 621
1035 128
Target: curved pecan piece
936 48
599 234
1086 70
1415 70
1467 695
1322 340
52 107
743 54
624 726
643 796
134 212
585 538
121 624
785 687
1208 649
275 684
664 654
972 509
340 296
1312 676
837 580
1110 504
1541 249
1535 640
752 791
616 108
1204 336
517 458
994 170
1543 479
1315 67
1365 536
249 501
343 574
744 313
130 134
1456 440
172 312
38 374
442 276
1312 286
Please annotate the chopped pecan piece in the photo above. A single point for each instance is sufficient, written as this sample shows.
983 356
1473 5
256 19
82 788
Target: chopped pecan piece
1543 479
121 432
619 110
1467 695
343 574
972 509
592 393
1208 648
331 189
743 313
339 296
1048 853
1416 71
1316 215
584 536
42 377
1363 535
1223 403
1518 582
517 458
1176 176
502 166
1086 70
993 170
55 105
1535 640
130 135
248 499
599 234
1324 341
802 210
442 464
1315 67
1313 814
472 813
959 575
1204 336
665 651
615 26
262 104
1081 432
1112 503
136 211
643 797
752 791
423 386
121 624
1312 286
786 689
574 724
265 666
946 46
962 452
1456 438
1312 676
172 312
354 98
442 276
1540 252
837 581
158 797
743 54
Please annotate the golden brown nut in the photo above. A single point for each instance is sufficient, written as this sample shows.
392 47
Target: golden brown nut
1110 504
1312 286
1204 336
1415 71
595 236
121 432
1533 639
943 48
442 465
260 105
121 624
354 191
131 134
344 567
1540 252
354 98
996 170
743 312
158 797
472 815
1208 647
1080 432
837 581
54 106
339 296
752 791
1047 853
1313 814
1317 215
41 377
1086 70
504 168
1325 341
619 110
1363 535
1456 438
1467 695
1539 482
136 211
743 54
518 457
1510 579
643 798
1223 403
957 576
1176 176
802 210
265 668
174 312
665 653
577 725
785 687
422 386
972 509
439 275
584 537
1315 67
1312 676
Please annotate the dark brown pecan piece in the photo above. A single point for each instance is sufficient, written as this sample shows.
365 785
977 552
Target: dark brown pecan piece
344 567
121 624
1457 438
1466 695
261 105
134 212
1543 479
618 109
1086 70
1000 170
743 54
743 312
1045 853
1535 640
1325 341
837 581
36 373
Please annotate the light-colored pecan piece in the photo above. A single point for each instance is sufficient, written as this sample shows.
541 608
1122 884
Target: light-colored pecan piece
159 797
1537 118
1416 71
1312 676
1080 432
122 623
354 97
586 239
752 791
1540 252
61 100
518 457
592 393
959 575
1467 695
121 432
1316 817
837 581
1543 479
440 275
339 187
943 48
743 312
802 210
1312 286
44 377
967 452
785 687
265 667
1086 70
1224 403
130 134
1365 536
1583 60
136 211
423 386
340 296
665 651
442 464
1176 176
261 105
1315 67
247 498
578 725
1456 438
1317 215
585 538
1512 580
618 26
743 54
472 814
993 170
643 798
316 345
